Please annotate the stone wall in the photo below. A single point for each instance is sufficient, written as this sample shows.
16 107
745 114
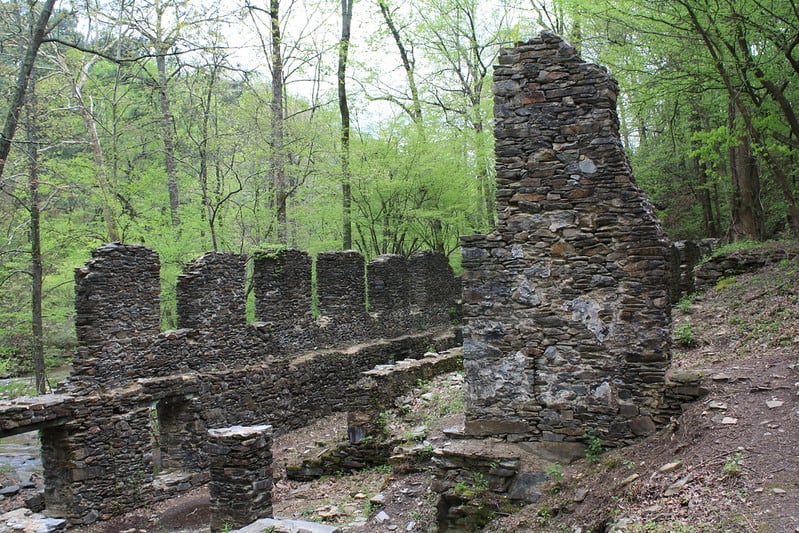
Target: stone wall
210 292
282 285
241 476
566 303
117 294
725 265
131 424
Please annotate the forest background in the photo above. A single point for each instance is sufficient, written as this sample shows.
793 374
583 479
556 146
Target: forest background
191 126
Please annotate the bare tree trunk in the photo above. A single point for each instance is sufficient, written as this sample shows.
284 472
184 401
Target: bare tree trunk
168 132
202 149
415 110
346 191
97 150
21 86
746 212
37 341
278 161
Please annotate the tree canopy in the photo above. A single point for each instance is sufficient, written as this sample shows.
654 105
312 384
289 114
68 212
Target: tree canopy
191 127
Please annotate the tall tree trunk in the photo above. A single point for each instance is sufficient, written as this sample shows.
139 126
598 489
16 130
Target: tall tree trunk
21 86
202 149
97 150
37 341
168 133
344 110
746 211
705 199
415 109
278 161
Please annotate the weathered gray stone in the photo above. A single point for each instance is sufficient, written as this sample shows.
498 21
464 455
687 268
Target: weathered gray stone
129 381
566 303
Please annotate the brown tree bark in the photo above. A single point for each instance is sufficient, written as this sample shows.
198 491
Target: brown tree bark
34 209
344 110
746 211
168 133
278 161
21 86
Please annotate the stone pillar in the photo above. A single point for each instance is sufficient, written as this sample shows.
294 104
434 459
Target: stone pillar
387 278
282 286
341 285
566 303
210 292
241 475
117 294
434 288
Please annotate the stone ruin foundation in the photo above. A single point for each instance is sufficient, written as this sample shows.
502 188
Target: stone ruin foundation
147 415
566 303
566 309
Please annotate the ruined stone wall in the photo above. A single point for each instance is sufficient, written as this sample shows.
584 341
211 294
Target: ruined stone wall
210 292
566 303
117 294
130 427
282 285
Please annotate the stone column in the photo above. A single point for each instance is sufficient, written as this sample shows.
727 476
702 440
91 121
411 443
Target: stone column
210 292
241 475
282 286
341 285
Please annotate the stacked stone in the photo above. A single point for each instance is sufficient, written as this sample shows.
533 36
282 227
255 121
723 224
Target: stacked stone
685 255
566 303
682 388
341 292
27 413
707 273
210 292
475 482
117 294
98 451
379 387
282 285
434 289
241 475
100 461
388 289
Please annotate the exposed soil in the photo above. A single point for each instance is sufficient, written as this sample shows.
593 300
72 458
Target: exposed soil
730 463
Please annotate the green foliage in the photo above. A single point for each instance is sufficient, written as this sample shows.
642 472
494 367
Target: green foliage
744 245
684 333
725 282
733 465
684 305
382 422
555 472
594 448
475 487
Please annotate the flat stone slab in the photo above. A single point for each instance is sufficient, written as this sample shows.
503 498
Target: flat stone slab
241 432
286 526
26 521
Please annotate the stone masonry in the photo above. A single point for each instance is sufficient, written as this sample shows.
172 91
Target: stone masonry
131 426
566 303
241 476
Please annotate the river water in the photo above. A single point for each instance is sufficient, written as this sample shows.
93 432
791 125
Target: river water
20 455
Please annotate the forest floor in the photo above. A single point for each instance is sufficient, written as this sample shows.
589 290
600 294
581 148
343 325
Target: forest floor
729 463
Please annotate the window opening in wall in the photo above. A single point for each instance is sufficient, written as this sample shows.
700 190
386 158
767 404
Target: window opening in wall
55 461
170 433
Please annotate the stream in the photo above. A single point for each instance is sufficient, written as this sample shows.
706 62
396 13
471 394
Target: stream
20 455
